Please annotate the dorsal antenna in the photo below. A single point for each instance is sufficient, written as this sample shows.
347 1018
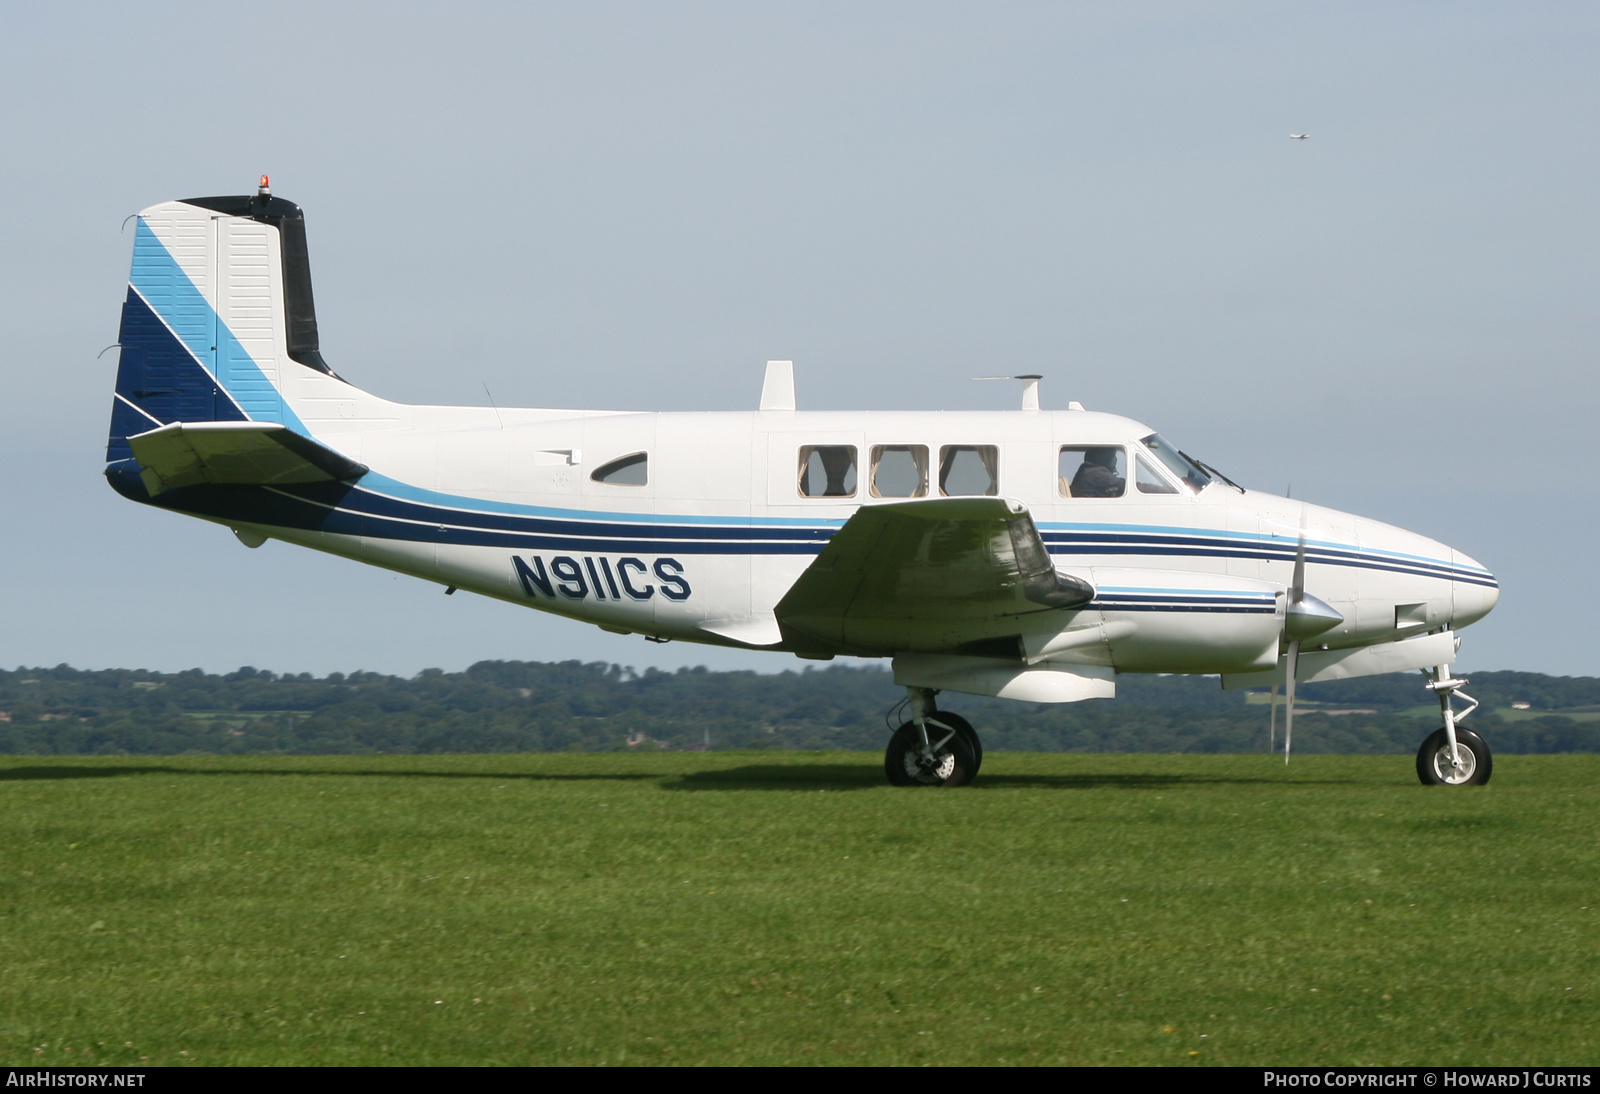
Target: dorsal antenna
1030 387
777 390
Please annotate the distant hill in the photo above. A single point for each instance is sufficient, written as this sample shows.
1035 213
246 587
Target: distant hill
516 706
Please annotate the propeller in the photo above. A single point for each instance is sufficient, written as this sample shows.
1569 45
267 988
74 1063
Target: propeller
1296 597
1304 616
1272 721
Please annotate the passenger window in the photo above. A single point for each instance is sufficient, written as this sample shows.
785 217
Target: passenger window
1150 481
828 471
969 469
631 470
1092 472
899 470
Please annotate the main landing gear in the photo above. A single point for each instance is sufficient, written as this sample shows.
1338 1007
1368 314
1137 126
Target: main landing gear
1452 756
934 748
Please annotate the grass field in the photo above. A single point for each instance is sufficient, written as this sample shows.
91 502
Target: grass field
770 908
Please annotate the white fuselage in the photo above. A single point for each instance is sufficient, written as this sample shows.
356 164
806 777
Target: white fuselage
723 508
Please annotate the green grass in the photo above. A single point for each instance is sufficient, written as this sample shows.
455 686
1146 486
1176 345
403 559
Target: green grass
768 908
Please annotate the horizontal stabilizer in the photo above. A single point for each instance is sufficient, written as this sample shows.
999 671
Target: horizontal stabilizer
235 453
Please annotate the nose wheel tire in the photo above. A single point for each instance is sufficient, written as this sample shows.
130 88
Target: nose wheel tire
952 762
1434 766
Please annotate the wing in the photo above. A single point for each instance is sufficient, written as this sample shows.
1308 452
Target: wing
237 453
939 575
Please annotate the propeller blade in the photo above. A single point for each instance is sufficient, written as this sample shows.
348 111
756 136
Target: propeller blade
1272 722
1297 586
1296 605
1292 662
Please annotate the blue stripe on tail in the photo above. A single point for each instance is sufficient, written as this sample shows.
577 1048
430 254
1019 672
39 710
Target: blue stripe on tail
160 281
160 376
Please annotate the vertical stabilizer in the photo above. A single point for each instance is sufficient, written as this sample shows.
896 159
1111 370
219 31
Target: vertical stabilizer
219 316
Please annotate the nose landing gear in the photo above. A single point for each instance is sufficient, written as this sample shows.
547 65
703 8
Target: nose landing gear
1452 756
933 748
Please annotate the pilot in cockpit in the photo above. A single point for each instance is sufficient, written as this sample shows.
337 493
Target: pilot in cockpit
1097 476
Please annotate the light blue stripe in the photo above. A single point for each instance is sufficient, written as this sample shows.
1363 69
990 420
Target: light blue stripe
382 484
183 307
1250 594
1256 538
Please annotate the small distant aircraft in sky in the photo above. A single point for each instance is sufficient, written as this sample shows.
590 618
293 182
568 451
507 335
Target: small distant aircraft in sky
1298 136
1026 554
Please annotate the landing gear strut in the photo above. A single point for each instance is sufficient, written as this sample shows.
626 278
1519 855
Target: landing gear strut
1452 756
933 748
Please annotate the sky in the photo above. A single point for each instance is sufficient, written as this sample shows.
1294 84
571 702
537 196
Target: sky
634 206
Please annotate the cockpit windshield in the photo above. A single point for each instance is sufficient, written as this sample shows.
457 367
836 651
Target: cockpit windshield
1176 462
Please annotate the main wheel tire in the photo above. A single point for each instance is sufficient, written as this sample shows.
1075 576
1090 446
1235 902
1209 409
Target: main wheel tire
902 761
1433 760
964 728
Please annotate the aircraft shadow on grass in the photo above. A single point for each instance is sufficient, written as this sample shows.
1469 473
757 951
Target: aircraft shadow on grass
95 771
864 777
837 777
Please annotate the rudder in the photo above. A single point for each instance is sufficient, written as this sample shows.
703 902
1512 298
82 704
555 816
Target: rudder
219 305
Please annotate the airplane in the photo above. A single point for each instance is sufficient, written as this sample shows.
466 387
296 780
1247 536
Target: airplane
1025 554
1298 136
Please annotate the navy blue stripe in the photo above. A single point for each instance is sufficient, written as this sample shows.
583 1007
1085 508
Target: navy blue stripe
1179 594
1091 542
1322 556
341 509
1081 543
1242 605
1229 609
339 520
157 373
1085 542
281 509
619 536
1363 562
622 536
359 500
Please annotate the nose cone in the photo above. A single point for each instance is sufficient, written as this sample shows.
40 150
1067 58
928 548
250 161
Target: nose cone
1474 590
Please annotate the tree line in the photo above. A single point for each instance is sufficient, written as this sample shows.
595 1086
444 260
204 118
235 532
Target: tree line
520 706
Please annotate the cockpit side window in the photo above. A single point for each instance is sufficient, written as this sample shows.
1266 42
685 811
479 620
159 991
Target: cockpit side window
1150 480
899 470
828 471
631 470
1092 471
966 469
1176 462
